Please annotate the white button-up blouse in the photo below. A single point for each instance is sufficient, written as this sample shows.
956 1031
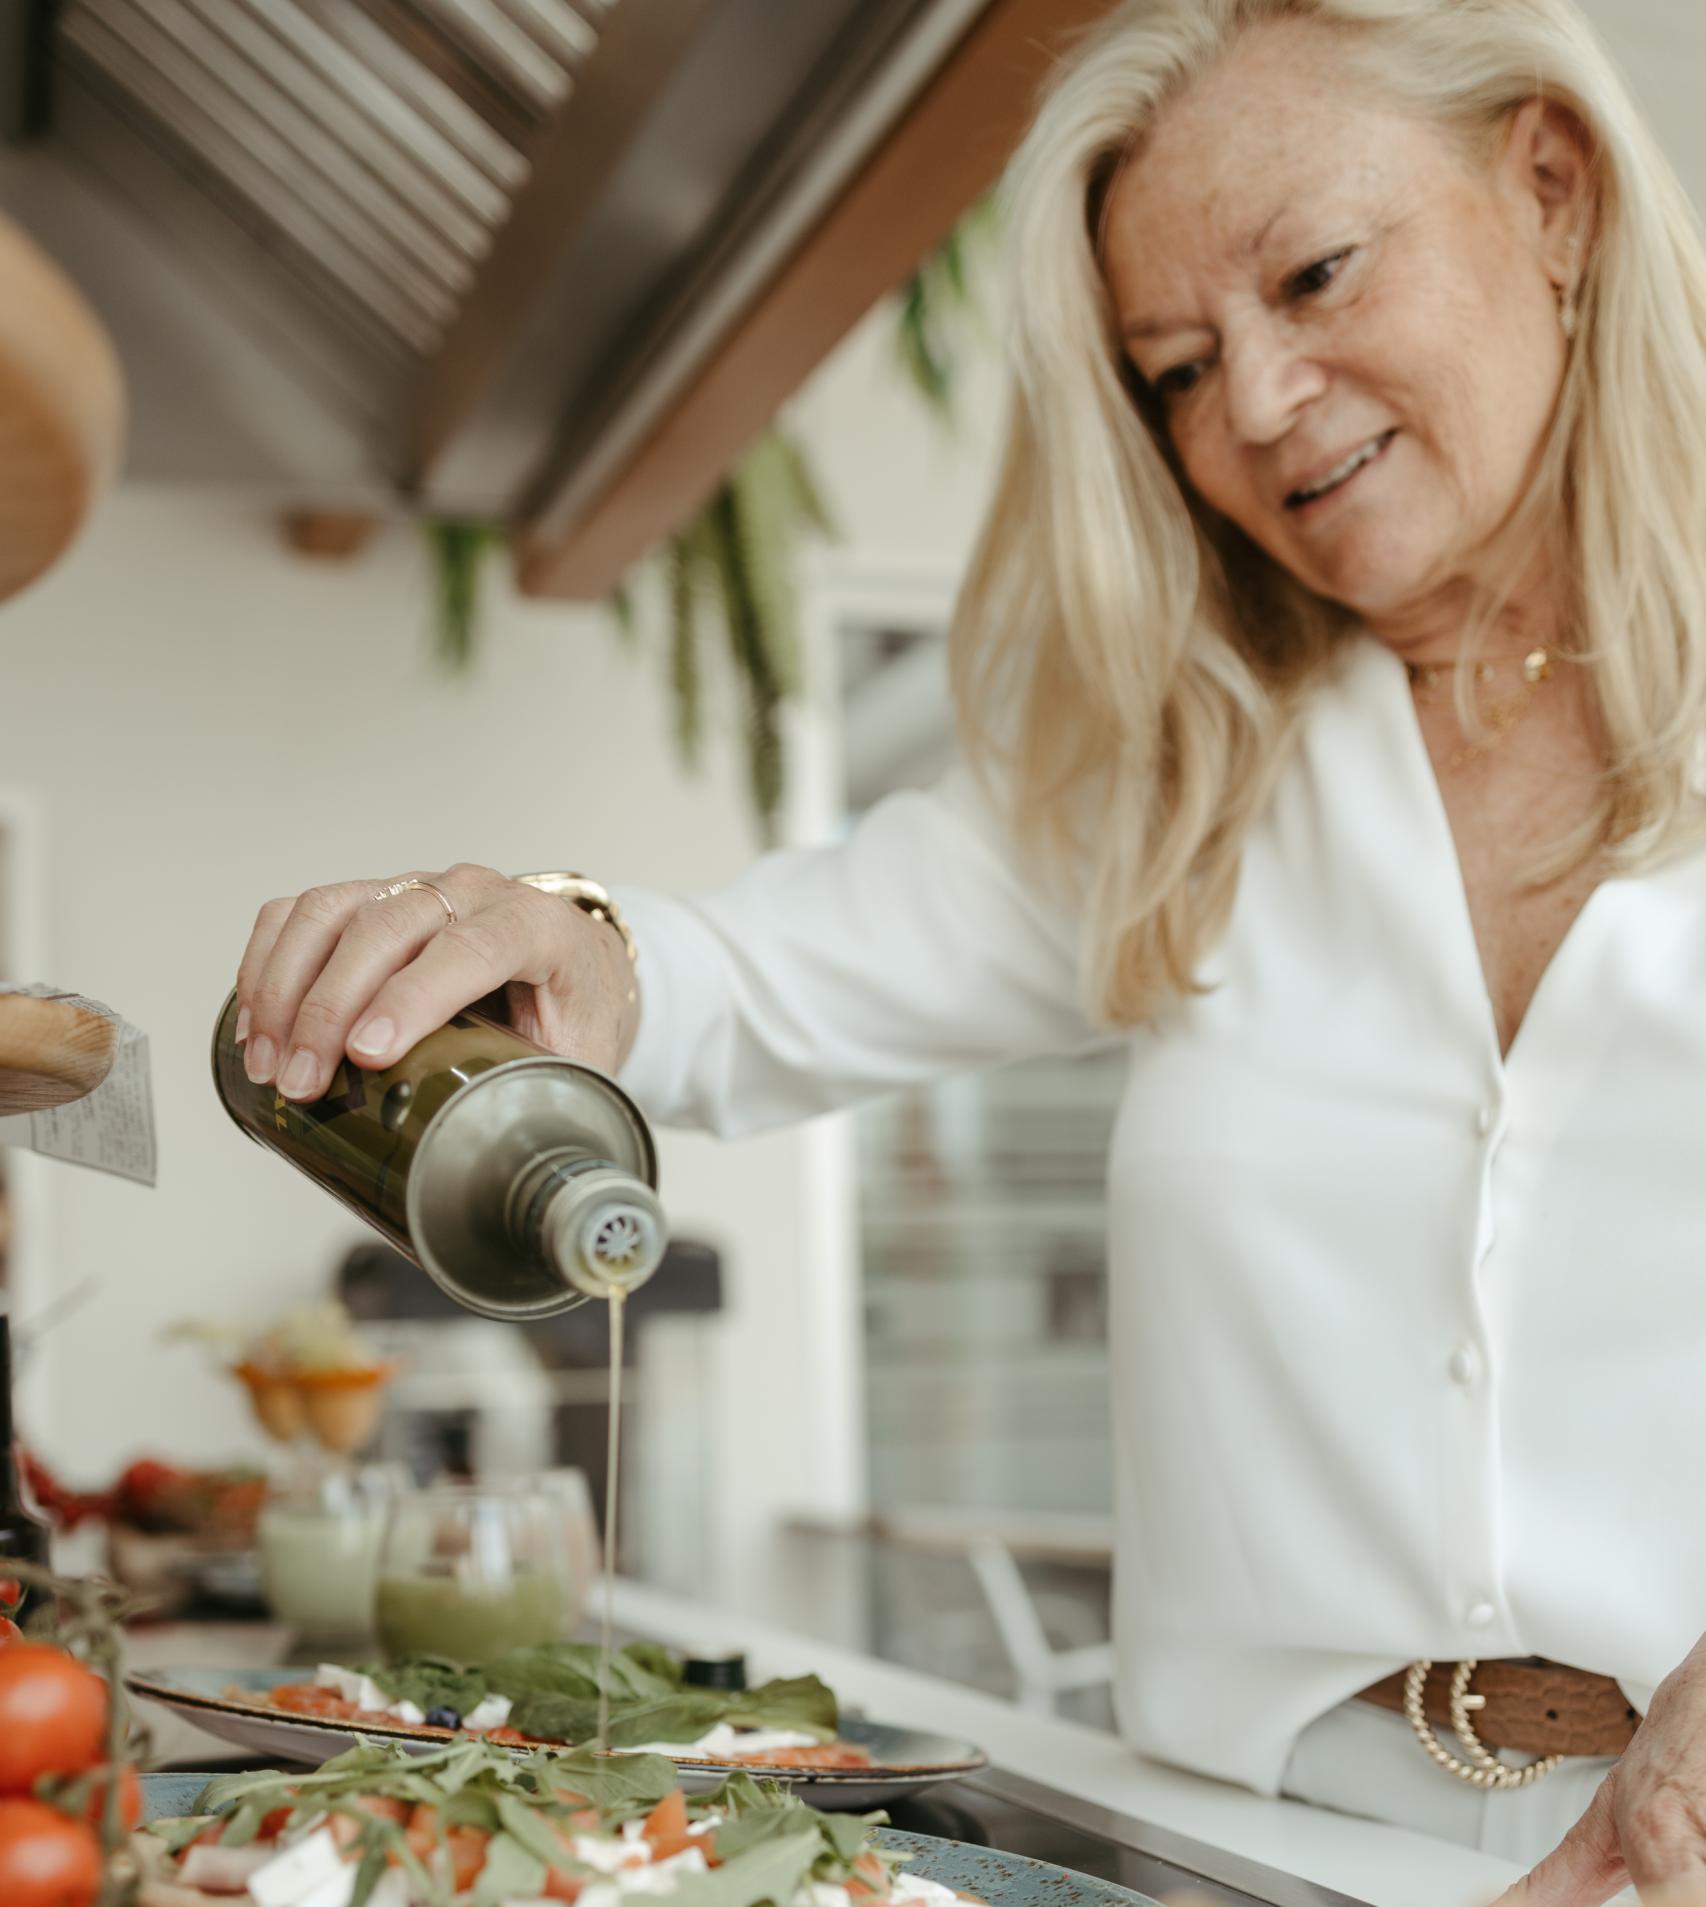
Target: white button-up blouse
1407 1341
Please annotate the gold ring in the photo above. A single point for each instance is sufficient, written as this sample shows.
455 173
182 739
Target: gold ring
408 887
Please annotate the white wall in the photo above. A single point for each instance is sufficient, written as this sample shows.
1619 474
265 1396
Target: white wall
203 721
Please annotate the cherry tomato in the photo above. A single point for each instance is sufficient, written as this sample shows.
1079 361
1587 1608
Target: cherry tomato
53 1716
129 1802
11 1592
9 1631
46 1858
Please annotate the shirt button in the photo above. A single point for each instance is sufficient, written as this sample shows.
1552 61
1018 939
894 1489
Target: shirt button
1486 1118
1480 1615
1464 1365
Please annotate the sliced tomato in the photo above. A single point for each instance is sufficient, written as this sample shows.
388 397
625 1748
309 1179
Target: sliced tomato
303 1698
383 1807
666 1826
272 1825
870 1879
827 1754
467 1849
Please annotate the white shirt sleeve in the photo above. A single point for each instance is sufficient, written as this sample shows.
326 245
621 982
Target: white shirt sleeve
910 949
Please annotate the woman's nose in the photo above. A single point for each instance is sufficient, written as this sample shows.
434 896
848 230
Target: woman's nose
1269 381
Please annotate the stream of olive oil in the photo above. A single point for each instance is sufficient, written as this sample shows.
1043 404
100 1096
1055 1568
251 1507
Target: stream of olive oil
610 1476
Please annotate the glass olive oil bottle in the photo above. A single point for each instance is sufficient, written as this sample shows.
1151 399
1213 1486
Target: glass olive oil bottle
521 1182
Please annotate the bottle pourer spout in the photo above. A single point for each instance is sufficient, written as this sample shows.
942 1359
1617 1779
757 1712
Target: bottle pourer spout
605 1232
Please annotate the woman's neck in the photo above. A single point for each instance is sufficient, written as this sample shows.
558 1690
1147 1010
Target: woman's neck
1433 637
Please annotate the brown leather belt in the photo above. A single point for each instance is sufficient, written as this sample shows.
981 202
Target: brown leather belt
1535 1706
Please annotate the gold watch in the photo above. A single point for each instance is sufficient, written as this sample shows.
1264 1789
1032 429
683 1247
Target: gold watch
588 895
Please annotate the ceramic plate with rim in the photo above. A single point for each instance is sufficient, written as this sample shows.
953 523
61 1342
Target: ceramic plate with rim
231 1703
1003 1880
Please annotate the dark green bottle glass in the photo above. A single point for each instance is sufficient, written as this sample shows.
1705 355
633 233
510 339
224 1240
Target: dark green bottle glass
521 1182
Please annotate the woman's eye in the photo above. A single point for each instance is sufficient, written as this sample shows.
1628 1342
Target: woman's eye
1176 381
1317 277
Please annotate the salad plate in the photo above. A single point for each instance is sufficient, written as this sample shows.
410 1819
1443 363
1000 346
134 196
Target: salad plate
235 1706
975 1874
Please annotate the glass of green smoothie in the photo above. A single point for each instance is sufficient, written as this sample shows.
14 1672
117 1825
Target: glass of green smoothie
470 1570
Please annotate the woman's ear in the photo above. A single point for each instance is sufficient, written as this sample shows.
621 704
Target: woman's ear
1547 160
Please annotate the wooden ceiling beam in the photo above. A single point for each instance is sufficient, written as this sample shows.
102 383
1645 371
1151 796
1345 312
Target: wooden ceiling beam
944 154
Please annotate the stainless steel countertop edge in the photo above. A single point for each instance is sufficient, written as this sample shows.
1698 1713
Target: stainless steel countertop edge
1144 1837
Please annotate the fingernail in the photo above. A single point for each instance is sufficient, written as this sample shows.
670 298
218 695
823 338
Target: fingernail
242 1024
299 1075
373 1037
259 1058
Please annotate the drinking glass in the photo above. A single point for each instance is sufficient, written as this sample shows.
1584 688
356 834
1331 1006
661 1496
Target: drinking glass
319 1543
469 1570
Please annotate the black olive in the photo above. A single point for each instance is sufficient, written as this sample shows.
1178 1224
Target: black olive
443 1718
714 1668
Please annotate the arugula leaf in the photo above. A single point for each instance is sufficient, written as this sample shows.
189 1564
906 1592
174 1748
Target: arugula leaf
640 1672
741 1793
431 1682
768 1872
509 1871
657 1661
244 1823
367 1874
178 1831
750 1830
533 1831
802 1702
678 1718
619 1786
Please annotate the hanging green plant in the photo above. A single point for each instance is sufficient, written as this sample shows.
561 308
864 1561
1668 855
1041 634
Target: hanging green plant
938 310
459 552
735 561
738 554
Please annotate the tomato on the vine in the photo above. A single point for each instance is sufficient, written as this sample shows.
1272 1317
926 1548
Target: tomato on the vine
129 1801
46 1858
53 1716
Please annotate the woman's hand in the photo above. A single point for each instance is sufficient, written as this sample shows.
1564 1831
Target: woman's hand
1647 1823
339 969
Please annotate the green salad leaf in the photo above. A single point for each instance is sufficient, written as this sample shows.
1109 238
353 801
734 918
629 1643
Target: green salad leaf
554 1692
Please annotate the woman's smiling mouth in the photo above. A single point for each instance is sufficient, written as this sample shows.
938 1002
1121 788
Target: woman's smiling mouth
1332 482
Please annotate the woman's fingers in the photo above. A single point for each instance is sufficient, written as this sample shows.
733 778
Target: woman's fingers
504 940
1585 1869
302 942
262 937
380 937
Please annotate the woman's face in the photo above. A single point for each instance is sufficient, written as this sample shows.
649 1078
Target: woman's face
1350 325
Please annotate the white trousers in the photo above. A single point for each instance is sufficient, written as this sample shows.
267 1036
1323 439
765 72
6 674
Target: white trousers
1359 1759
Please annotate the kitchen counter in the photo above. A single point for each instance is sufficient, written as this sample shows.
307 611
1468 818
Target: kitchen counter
1073 1795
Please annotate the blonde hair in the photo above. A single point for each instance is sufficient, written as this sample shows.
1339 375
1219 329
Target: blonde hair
1129 670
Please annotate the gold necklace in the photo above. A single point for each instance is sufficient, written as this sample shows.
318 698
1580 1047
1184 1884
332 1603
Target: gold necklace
1499 718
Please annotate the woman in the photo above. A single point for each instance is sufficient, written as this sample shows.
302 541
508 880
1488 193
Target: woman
1333 668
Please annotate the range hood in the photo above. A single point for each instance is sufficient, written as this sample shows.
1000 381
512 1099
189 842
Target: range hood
547 262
